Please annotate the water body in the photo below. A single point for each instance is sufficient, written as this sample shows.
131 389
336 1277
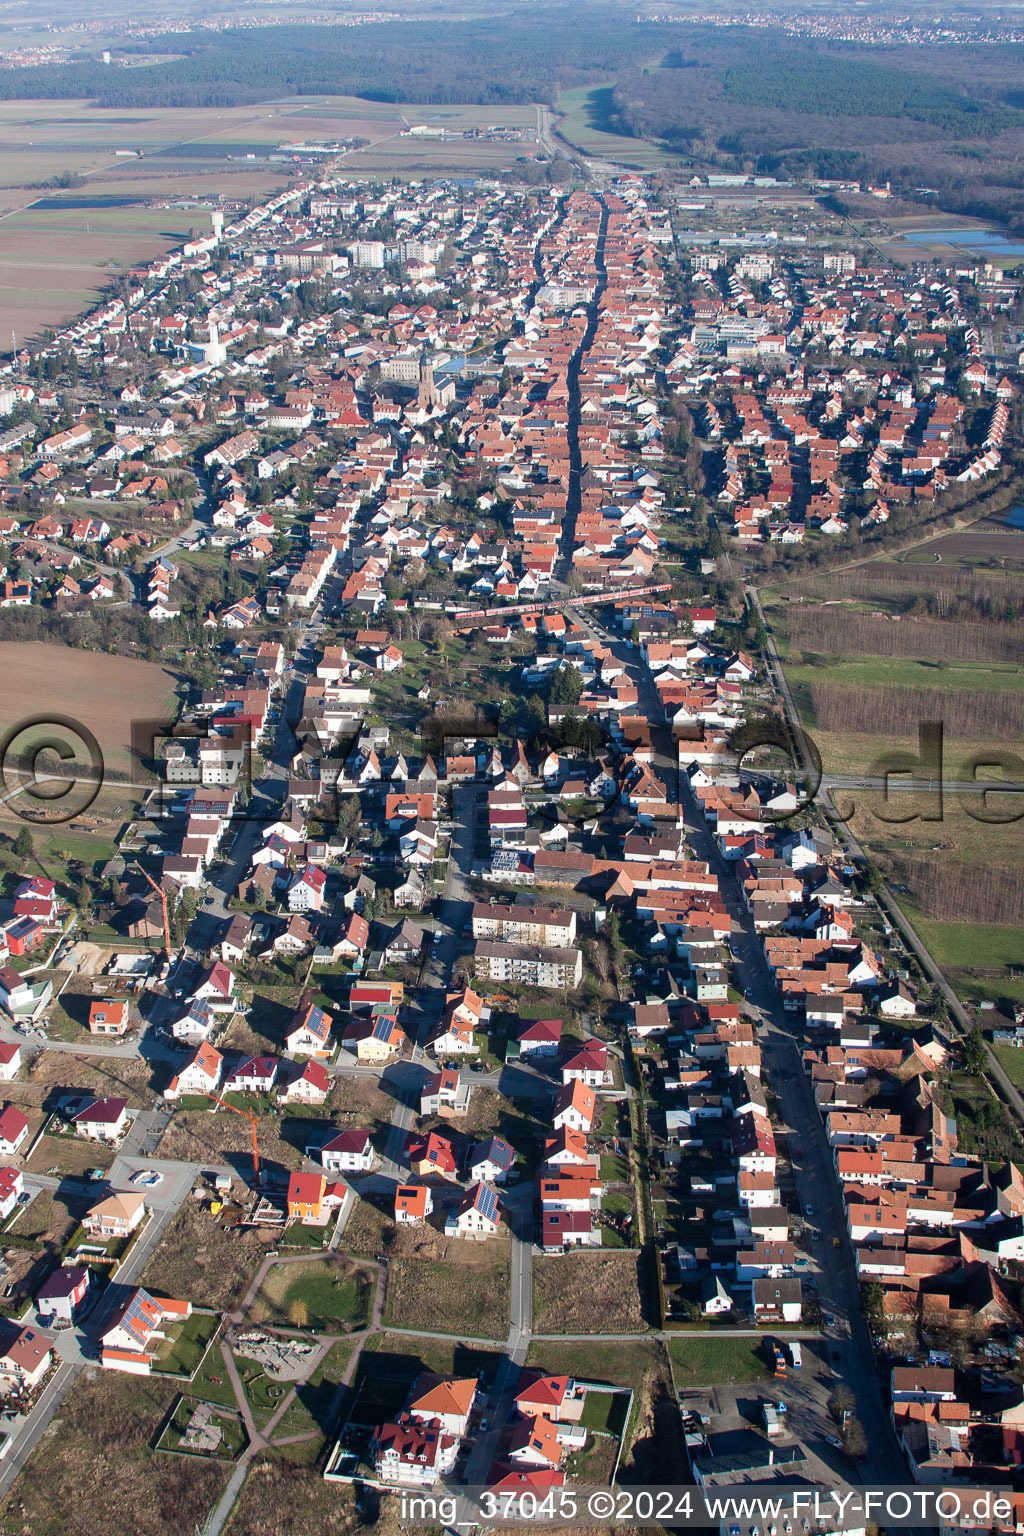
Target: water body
1014 518
980 242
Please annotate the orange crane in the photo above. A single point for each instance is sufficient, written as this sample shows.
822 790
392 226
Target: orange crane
163 906
247 1114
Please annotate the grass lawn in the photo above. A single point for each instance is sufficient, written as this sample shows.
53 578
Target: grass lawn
265 1396
444 1296
310 1411
325 1292
713 1362
592 1292
233 1437
614 1168
210 1381
962 944
298 1235
621 1365
186 1344
1011 1059
604 1413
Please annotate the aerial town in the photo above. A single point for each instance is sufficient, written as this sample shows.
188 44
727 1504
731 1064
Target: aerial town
454 988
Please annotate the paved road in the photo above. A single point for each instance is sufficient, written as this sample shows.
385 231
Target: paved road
813 1168
74 1345
816 1184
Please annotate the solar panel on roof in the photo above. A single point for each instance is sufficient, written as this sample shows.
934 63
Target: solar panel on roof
487 1203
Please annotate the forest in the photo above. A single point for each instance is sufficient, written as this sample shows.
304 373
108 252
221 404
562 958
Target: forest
947 119
522 57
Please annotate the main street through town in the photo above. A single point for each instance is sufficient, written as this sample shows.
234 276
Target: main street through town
848 1345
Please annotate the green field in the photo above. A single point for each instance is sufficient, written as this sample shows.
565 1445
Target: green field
908 672
958 944
585 108
187 1344
1011 1059
323 1293
707 1362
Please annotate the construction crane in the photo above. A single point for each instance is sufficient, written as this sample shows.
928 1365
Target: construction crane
163 907
247 1114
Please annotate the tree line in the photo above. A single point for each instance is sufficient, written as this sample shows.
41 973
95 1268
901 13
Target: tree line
505 60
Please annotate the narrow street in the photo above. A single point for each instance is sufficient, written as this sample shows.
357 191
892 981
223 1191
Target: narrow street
816 1183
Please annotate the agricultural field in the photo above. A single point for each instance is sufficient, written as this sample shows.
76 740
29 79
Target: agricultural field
584 111
959 881
872 651
106 693
145 181
587 1293
103 1439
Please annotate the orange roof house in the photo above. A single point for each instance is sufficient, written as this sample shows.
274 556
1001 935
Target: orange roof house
413 1203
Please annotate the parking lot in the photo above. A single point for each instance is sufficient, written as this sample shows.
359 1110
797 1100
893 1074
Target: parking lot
736 1417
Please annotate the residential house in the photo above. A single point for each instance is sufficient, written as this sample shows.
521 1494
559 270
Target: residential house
309 1084
26 1355
413 1203
309 1033
492 1161
13 1130
445 1093
201 1073
573 1108
109 1016
134 1331
588 1065
477 1214
63 1296
116 1216
347 1152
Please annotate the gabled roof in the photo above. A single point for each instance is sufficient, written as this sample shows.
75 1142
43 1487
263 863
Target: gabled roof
354 1142
495 1150
542 1030
480 1197
315 1020
538 1387
101 1112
